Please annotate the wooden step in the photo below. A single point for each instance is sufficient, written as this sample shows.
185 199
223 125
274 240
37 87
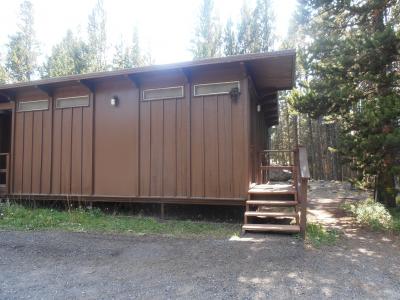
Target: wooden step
277 167
272 228
276 191
271 203
271 214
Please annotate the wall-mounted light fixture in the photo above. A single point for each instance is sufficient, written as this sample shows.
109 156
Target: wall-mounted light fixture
258 107
234 93
114 101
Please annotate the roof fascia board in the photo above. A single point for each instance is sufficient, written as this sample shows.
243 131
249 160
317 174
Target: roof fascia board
140 70
45 89
88 84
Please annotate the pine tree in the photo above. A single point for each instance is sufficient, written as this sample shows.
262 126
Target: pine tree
121 56
245 42
135 53
3 75
148 58
97 38
3 72
354 63
208 33
68 57
230 42
22 47
255 29
129 56
263 26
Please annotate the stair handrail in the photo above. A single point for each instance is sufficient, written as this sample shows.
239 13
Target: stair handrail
261 168
303 174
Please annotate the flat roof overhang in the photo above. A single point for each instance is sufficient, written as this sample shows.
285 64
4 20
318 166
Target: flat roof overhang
272 71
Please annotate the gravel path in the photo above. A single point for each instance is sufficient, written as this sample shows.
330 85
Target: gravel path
60 265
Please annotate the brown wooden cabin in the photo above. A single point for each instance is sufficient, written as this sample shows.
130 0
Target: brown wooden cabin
189 133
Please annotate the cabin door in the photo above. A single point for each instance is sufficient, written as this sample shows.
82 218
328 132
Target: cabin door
5 149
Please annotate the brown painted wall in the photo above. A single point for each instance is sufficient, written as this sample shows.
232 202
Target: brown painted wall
164 138
259 133
191 147
116 140
72 146
32 148
53 148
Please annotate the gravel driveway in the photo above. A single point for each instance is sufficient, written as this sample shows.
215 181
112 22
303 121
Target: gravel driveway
60 265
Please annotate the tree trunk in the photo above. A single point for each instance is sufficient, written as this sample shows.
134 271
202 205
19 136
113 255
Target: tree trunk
311 147
319 163
386 189
296 131
337 170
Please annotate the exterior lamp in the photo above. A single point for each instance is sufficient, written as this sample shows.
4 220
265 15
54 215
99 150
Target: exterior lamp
114 101
234 93
258 107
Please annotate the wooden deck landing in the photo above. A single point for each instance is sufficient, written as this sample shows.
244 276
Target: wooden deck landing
275 188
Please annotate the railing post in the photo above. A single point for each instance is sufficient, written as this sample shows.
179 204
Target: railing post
303 207
296 168
303 176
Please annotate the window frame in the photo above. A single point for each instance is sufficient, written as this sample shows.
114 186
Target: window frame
182 88
214 83
33 101
73 97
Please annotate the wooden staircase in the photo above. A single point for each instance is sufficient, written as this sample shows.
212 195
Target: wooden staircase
279 206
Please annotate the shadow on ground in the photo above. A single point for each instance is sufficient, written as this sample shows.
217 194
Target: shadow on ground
209 213
363 265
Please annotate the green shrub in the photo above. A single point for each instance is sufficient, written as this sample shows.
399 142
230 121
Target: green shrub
374 214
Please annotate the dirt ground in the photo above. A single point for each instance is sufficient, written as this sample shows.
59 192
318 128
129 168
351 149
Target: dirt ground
60 265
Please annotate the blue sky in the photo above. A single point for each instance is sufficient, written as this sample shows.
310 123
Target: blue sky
165 27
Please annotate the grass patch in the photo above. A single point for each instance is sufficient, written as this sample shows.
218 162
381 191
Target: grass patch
18 217
374 215
319 236
395 212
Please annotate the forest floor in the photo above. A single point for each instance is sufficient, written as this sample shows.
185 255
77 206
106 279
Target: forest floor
362 264
326 201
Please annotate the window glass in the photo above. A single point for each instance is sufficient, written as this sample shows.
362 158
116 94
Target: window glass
33 105
72 102
215 88
163 93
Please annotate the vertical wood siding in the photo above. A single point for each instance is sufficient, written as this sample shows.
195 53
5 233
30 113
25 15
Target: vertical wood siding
218 147
72 146
52 155
163 141
185 147
31 162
